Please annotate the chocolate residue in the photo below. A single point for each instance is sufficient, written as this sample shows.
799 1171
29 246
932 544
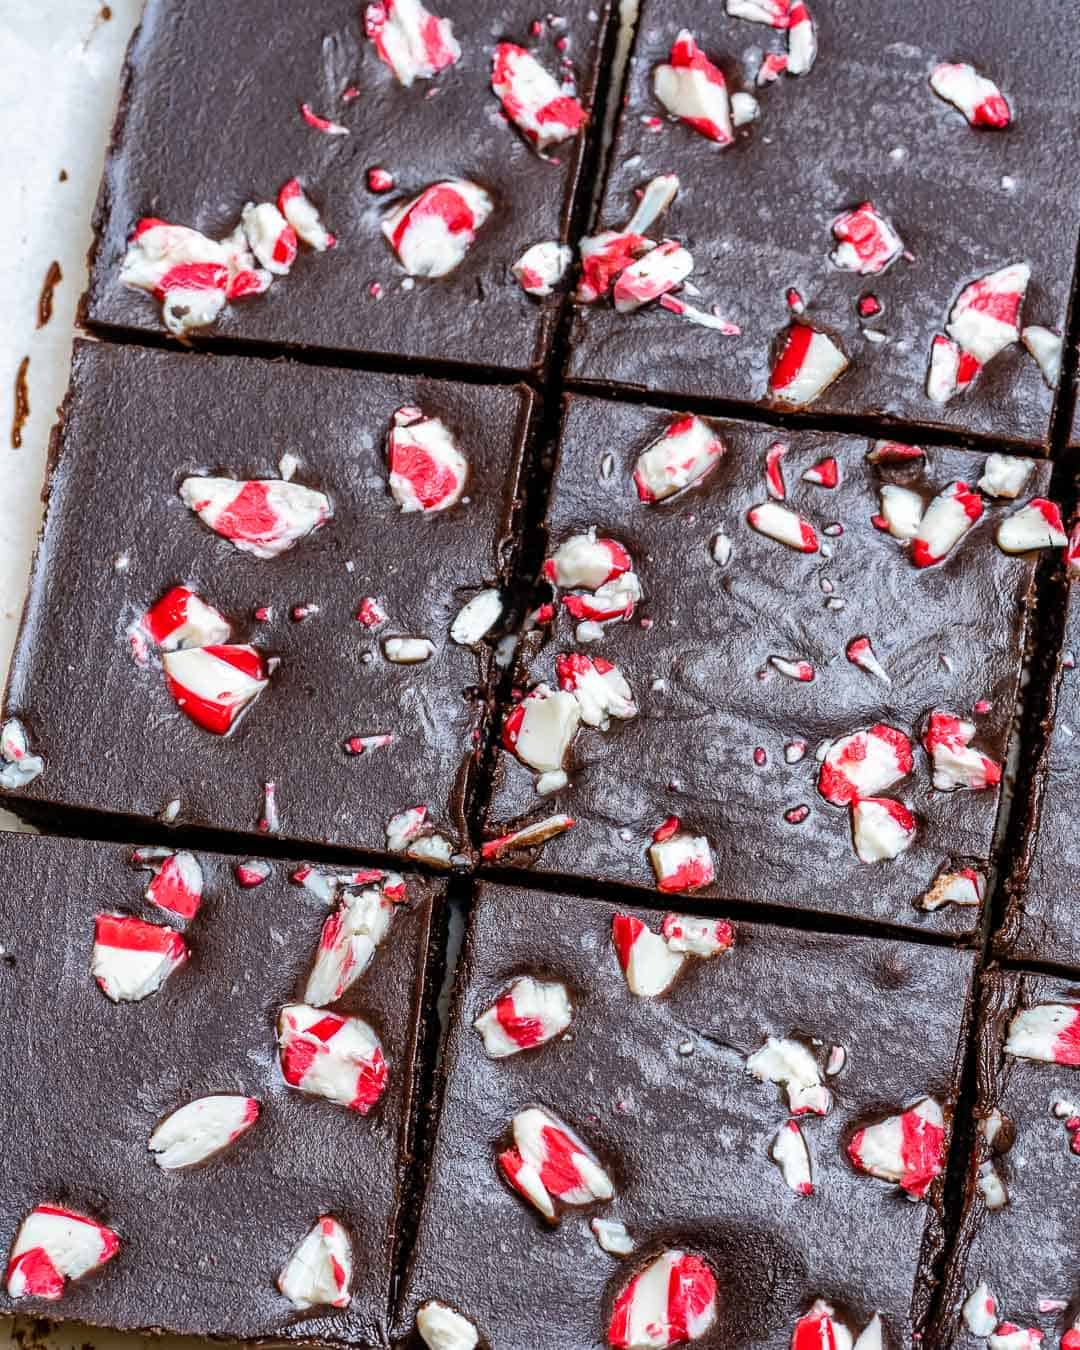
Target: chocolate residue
53 277
106 13
63 175
22 403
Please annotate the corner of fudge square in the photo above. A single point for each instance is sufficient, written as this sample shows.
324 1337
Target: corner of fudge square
771 665
273 1142
651 1122
285 623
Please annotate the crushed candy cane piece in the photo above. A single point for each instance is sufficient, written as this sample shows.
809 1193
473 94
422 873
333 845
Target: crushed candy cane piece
820 1329
808 362
201 1128
744 109
252 873
908 1149
789 1150
901 511
261 516
214 685
177 881
1049 1032
55 1245
1046 347
604 257
882 829
670 1302
427 470
303 216
800 670
182 268
647 959
347 944
860 652
183 619
985 318
867 243
963 887
586 561
776 13
680 860
441 1328
432 233
774 471
549 1163
612 1237
1005 475
476 618
691 936
681 457
539 730
19 765
270 237
532 99
1037 524
131 958
694 90
991 1187
956 765
864 763
599 687
802 40
660 270
979 99
408 651
773 65
825 473
541 267
980 1311
530 1013
947 519
790 1064
324 1055
319 1271
1009 1336
785 526
529 836
404 827
951 370
413 42
317 122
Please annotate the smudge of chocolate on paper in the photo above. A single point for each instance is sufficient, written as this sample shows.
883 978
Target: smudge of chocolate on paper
22 403
53 278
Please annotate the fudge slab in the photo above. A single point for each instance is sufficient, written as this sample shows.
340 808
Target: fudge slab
87 1080
210 119
862 125
724 739
88 688
658 1089
1017 1234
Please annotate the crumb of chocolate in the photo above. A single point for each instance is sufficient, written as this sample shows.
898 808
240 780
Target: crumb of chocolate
53 278
22 403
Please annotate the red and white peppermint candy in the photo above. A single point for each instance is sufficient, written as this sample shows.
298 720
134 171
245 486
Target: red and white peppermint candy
979 99
1005 475
1046 347
896 453
908 1148
790 1064
798 669
599 687
530 1013
867 243
427 470
948 743
1049 1032
261 516
370 613
691 936
864 763
540 268
683 455
951 371
901 511
532 99
609 603
825 473
985 318
476 618
252 873
528 836
692 89
946 520
808 362
860 652
681 861
585 561
1071 1339
775 13
661 270
789 1150
317 122
432 233
539 730
347 944
611 1236
183 619
177 883
785 526
671 1302
550 1164
339 1058
246 278
881 829
54 1245
441 1328
319 1272
647 959
19 765
414 43
213 685
802 40
980 1311
965 887
820 1329
270 237
603 258
131 958
201 1128
1038 524
773 65
774 471
188 272
1008 1336
303 216
405 826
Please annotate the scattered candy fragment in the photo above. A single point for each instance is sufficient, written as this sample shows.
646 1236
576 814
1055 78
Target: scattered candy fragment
182 268
1049 1032
214 685
339 1058
432 233
808 362
864 763
908 1149
540 729
682 456
252 873
860 652
270 237
979 99
586 561
785 526
1037 524
964 887
691 936
177 883
54 1245
802 40
776 13
441 1328
303 216
799 670
549 1163
183 619
319 1271
789 1150
956 765
532 99
819 1329
991 1187
201 1128
681 861
744 109
347 944
529 836
541 267
131 958
612 1237
951 371
1046 347
599 687
826 473
647 960
1005 475
867 243
408 651
317 122
671 1301
662 269
1009 1336
427 470
980 1311
790 1064
882 829
530 1013
413 42
19 766
692 89
262 516
476 618
985 318
947 519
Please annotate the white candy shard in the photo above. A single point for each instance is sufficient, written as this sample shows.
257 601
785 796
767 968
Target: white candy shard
347 944
991 1187
964 887
183 619
413 42
775 13
809 361
339 1058
441 1328
819 1329
1049 1032
200 1129
790 1064
980 1311
647 960
269 236
319 1271
19 767
1038 524
681 861
692 89
947 519
262 516
612 1237
541 267
583 560
1005 475
528 836
303 215
683 455
670 1302
785 526
530 1013
864 763
532 99
427 470
662 269
951 370
985 318
882 829
744 109
432 233
956 765
405 826
802 40
599 687
550 1163
132 959
476 618
979 99
186 271
692 936
1046 347
789 1150
860 652
540 729
408 651
908 1149
871 1336
54 1245
1008 1336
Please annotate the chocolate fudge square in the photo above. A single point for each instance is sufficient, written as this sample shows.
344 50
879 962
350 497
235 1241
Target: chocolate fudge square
1013 1268
812 696
216 116
162 1172
1041 922
951 203
670 1108
202 625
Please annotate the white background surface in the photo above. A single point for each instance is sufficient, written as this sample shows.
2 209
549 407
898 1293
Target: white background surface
59 79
